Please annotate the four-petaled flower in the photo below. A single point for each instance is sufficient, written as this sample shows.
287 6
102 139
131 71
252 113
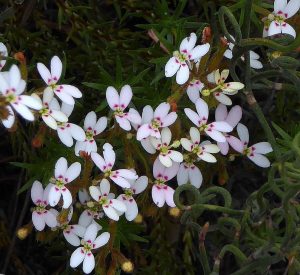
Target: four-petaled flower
63 176
162 193
121 176
66 93
136 187
200 118
41 215
92 127
112 207
275 22
84 253
193 90
160 118
11 87
118 103
180 63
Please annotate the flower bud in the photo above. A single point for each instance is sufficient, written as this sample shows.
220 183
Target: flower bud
176 144
174 212
138 219
23 232
127 266
90 204
205 92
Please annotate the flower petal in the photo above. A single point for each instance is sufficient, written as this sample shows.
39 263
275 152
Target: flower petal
195 135
123 123
216 135
143 132
101 240
77 257
140 185
166 136
262 148
243 133
37 192
183 174
73 172
90 120
260 160
188 43
234 116
183 74
56 67
111 213
186 144
50 219
125 96
23 111
99 161
112 97
90 233
291 8
274 28
65 136
171 172
61 167
54 195
100 125
235 143
202 109
195 176
172 67
288 29
165 160
222 98
199 51
169 194
147 145
88 263
71 238
95 192
104 187
221 112
158 195
67 198
169 119
72 91
77 132
192 115
38 221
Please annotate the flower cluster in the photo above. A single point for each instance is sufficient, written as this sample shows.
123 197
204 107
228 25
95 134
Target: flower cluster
111 191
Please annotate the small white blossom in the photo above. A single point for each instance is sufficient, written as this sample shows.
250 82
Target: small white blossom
11 87
65 93
62 176
136 187
3 55
189 172
118 103
120 176
160 118
41 215
92 127
276 23
112 207
193 90
180 63
161 192
84 253
200 119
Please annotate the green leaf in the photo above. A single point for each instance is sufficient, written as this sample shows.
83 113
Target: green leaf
281 132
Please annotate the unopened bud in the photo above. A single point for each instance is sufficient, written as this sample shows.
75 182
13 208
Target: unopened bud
23 232
205 92
176 144
90 204
129 136
138 218
127 266
271 17
174 212
231 157
276 54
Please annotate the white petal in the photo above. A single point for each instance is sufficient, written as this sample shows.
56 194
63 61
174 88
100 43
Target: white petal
54 195
100 125
162 110
72 91
147 145
228 54
288 29
274 28
235 143
118 205
90 120
123 122
243 133
171 172
88 263
172 67
224 147
67 109
125 96
85 218
73 172
111 213
260 160
199 51
77 132
234 116
120 181
221 112
202 108
38 221
291 8
23 111
255 64
65 136
186 144
65 97
158 195
166 136
193 93
14 76
59 116
50 219
31 102
207 157
183 174
211 148
183 74
10 120
147 114
71 238
99 161
169 119
195 135
188 43
67 198
143 132
109 154
169 193
90 233
176 156
140 185
279 5
134 117
158 168
53 104
132 209
79 230
262 148
195 176
216 135
222 98
112 97
221 126
95 192
56 67
165 160
192 115
77 257
61 167
104 187
127 174
37 192
101 240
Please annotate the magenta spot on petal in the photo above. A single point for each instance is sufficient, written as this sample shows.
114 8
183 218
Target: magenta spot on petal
166 177
56 189
82 251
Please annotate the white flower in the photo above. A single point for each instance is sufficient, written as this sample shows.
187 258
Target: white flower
166 155
200 118
136 187
121 176
11 87
113 208
189 172
67 131
84 253
3 54
161 192
66 93
118 103
50 116
160 118
92 127
193 90
232 118
254 62
40 214
230 88
180 62
62 176
275 22
203 150
88 217
255 152
72 232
